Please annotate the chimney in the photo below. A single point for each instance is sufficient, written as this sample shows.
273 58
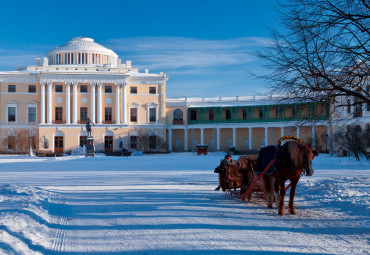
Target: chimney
119 62
37 61
128 63
146 71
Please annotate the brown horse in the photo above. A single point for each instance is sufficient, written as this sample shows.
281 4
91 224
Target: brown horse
292 160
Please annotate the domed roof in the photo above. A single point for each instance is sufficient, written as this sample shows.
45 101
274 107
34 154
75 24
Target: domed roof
84 44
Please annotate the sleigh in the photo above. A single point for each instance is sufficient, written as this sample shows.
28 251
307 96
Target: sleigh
236 179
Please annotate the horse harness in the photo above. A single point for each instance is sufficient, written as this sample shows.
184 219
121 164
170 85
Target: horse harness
294 166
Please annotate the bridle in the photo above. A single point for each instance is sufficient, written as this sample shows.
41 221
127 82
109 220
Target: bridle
307 167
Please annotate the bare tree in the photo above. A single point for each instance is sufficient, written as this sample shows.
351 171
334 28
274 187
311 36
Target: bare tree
19 142
149 143
322 52
353 139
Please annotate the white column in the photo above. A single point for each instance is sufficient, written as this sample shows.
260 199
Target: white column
92 103
186 145
99 103
251 138
124 114
49 103
117 104
68 103
298 132
218 139
234 137
266 136
74 110
42 110
170 139
313 136
202 136
328 142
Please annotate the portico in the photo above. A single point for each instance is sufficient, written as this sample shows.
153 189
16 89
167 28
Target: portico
96 96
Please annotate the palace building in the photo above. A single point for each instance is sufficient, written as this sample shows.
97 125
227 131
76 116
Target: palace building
51 101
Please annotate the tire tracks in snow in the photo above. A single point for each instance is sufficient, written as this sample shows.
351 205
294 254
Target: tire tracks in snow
58 236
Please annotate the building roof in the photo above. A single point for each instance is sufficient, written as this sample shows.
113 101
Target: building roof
82 44
227 101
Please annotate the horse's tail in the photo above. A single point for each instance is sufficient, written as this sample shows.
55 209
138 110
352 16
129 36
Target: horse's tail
287 137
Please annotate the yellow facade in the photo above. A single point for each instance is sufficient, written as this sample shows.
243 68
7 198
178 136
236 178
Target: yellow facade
50 104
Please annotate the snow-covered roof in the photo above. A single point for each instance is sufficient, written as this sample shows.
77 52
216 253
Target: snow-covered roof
228 101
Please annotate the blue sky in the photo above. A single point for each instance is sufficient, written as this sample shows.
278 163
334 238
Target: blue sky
206 47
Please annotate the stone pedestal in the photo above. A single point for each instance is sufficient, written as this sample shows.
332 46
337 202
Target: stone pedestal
90 150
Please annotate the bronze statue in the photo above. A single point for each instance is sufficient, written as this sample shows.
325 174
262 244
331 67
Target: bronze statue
88 126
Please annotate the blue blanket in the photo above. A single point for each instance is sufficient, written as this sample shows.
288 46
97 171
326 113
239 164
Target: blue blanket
265 156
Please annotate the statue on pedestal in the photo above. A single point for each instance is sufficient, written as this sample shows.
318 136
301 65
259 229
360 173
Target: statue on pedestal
90 150
88 126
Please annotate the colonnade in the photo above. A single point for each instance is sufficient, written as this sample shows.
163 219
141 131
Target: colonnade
234 135
94 87
80 58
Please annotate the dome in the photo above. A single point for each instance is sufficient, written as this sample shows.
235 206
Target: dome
82 51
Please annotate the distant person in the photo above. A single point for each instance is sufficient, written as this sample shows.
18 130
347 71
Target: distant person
227 161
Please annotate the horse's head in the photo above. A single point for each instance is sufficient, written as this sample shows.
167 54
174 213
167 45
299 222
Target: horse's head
309 156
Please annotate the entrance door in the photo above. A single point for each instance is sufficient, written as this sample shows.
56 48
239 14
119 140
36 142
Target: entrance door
58 141
108 143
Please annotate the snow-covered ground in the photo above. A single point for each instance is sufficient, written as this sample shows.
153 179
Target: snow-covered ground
166 204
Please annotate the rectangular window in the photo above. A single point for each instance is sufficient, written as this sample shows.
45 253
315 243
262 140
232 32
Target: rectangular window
58 88
31 88
11 89
11 114
11 142
152 90
108 115
58 115
83 88
245 114
228 115
349 106
211 115
133 90
83 141
83 115
133 142
31 114
152 142
108 89
193 115
58 142
133 114
152 115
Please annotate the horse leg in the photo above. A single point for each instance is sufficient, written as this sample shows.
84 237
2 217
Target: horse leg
271 191
282 196
291 196
276 189
268 187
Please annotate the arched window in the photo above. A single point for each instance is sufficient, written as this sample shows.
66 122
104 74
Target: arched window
177 117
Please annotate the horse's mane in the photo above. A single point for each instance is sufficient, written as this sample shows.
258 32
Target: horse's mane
293 152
